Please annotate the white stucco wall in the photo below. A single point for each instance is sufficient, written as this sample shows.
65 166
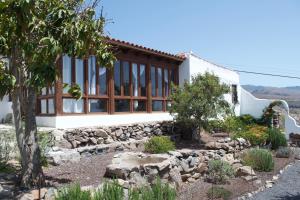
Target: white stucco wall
194 65
5 108
100 120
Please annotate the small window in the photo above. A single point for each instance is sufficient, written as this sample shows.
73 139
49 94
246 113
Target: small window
122 105
67 73
92 75
126 80
234 94
139 105
44 106
72 106
97 105
153 81
143 80
117 78
157 105
103 80
79 69
50 106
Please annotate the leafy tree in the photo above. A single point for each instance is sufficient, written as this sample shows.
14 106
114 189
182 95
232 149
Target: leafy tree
202 99
33 36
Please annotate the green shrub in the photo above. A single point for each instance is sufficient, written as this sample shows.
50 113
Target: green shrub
258 159
158 191
219 171
256 135
217 192
45 141
109 191
234 125
7 150
276 138
216 126
73 192
283 152
247 119
159 144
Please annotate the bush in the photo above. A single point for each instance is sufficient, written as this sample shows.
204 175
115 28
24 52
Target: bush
276 138
248 119
217 192
7 149
283 152
234 125
219 171
159 144
258 159
158 191
216 126
109 191
73 192
45 141
256 135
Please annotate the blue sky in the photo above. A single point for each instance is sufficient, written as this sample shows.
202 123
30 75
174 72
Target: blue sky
253 35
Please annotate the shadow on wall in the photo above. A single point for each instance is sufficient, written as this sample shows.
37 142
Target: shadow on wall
254 106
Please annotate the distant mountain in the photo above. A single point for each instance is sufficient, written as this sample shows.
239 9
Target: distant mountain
287 93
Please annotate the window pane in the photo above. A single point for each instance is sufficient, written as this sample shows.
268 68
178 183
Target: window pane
153 81
67 72
166 82
143 79
157 105
97 105
51 90
117 78
139 105
126 80
92 75
44 91
44 106
135 80
159 81
173 75
72 106
122 105
102 80
80 73
50 106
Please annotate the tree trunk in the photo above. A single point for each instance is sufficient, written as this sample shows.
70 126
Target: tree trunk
26 139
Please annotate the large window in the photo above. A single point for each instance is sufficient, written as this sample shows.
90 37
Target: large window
79 71
67 72
143 80
72 106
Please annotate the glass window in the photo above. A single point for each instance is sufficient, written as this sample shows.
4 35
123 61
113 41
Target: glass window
51 90
126 80
67 72
72 106
143 80
92 75
135 79
159 81
103 80
44 106
157 105
153 81
44 91
97 105
122 105
234 94
166 82
173 75
79 73
139 105
50 106
117 78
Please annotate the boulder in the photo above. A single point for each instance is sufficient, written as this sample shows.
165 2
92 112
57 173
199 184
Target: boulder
100 133
245 171
63 156
176 177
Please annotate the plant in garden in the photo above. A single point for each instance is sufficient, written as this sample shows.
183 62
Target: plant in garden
258 159
73 192
268 113
202 99
234 125
283 152
7 150
255 134
276 138
216 126
159 144
217 192
219 171
33 36
45 141
109 191
248 119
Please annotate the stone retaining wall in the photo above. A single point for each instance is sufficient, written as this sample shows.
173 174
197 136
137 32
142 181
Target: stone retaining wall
80 137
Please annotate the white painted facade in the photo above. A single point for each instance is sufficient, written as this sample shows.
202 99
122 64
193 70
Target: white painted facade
5 108
194 65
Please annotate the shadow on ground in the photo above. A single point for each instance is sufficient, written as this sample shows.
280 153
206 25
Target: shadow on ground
289 197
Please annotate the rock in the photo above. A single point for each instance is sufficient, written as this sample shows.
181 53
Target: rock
27 196
185 177
185 167
35 193
124 184
245 171
191 180
196 175
242 141
216 146
119 132
249 178
176 177
58 134
275 178
136 178
202 167
269 184
147 130
175 153
93 140
100 133
50 195
229 158
63 156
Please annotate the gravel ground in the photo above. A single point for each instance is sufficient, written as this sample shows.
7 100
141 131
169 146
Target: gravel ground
287 187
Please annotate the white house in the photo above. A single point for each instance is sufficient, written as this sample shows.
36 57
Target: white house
135 91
